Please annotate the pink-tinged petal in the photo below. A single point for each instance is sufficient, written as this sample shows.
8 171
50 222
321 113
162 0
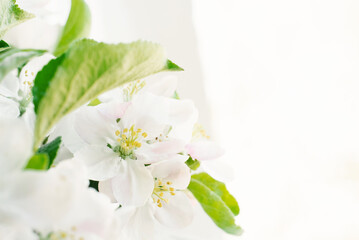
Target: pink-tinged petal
173 170
133 185
114 109
151 153
204 150
177 213
93 127
102 163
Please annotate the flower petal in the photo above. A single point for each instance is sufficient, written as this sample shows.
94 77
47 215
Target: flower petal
138 223
159 151
9 86
173 170
15 145
177 213
181 115
94 127
161 86
66 129
105 187
133 185
9 109
102 162
204 150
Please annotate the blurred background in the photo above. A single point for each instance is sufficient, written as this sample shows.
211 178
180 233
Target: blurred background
276 83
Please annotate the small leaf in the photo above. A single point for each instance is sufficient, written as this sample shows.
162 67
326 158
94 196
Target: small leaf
12 58
78 26
216 201
94 102
38 162
176 96
3 45
193 164
11 15
50 149
85 71
171 66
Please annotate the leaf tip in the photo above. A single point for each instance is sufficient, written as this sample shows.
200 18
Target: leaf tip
171 66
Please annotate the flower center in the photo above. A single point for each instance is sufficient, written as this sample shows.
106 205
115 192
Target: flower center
129 140
161 191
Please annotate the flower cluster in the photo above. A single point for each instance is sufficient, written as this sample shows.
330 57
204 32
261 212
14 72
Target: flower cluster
92 149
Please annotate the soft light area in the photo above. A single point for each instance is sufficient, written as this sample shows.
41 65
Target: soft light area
282 82
276 83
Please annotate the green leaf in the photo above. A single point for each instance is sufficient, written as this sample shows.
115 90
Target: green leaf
78 26
176 96
38 162
171 66
12 58
11 15
3 45
85 71
216 201
50 149
193 164
94 102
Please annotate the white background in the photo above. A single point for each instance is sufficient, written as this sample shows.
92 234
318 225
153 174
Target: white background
276 83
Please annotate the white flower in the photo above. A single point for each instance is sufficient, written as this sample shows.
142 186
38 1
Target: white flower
123 137
54 202
169 205
15 92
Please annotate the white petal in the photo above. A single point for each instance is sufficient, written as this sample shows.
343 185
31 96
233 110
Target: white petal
139 223
177 213
161 86
180 114
102 162
15 145
9 86
66 129
9 109
93 127
204 150
57 198
134 184
105 187
173 170
29 116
